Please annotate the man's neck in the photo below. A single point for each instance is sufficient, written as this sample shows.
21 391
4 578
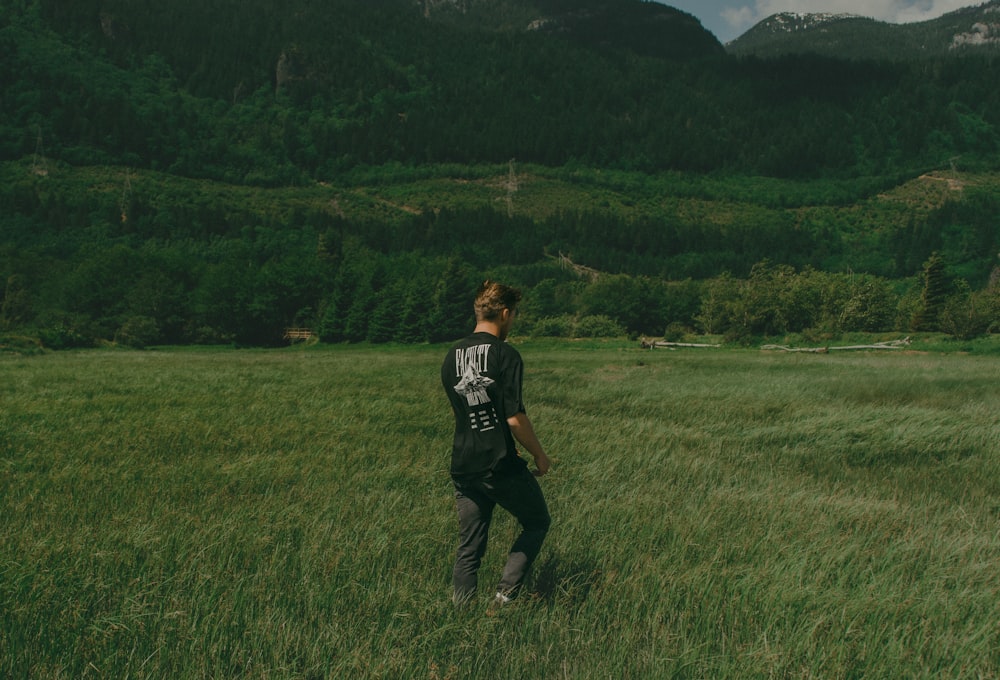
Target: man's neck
488 327
498 325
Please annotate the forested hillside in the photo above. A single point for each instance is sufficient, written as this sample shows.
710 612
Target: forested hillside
218 171
268 93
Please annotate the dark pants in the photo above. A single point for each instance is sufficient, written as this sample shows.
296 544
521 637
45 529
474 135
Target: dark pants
519 494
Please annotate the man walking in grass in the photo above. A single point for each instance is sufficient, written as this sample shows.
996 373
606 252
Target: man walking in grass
482 377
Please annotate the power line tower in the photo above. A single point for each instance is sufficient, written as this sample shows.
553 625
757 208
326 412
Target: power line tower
512 186
126 195
39 166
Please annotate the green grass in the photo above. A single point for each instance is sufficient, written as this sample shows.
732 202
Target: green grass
287 514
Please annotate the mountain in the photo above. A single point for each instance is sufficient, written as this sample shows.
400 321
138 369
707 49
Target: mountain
215 87
645 28
206 41
257 92
971 30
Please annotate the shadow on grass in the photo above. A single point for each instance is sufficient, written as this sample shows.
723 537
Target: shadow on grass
564 580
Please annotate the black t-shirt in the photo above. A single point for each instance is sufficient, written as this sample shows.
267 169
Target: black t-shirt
482 378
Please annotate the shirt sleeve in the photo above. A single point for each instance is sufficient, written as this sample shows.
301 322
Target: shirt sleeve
512 376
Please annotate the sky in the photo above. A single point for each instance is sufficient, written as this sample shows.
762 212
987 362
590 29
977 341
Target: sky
728 19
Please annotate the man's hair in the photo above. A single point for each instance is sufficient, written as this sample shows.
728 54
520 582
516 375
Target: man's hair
492 298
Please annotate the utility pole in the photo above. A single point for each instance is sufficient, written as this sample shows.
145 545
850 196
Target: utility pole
39 166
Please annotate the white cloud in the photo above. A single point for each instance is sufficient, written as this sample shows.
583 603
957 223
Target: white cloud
740 18
930 9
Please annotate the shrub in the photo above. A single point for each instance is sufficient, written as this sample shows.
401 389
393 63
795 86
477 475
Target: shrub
870 306
138 332
675 332
553 326
63 337
598 326
966 315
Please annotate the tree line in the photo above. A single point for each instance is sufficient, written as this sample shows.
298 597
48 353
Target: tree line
190 268
244 297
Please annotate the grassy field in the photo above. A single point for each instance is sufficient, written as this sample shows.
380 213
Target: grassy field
288 514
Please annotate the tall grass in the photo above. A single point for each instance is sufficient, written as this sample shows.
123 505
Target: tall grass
288 514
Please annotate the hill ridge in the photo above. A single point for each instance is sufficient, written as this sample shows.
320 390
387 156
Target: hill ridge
854 36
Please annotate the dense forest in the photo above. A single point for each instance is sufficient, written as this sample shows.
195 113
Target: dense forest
219 171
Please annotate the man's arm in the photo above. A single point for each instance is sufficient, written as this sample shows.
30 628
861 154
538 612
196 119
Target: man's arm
524 433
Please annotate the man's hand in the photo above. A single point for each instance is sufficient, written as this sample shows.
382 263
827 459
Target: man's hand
524 433
542 465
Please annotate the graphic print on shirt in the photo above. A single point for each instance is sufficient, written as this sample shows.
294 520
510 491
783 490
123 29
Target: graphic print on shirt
470 367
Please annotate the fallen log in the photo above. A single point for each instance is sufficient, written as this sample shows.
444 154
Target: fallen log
782 348
889 344
653 344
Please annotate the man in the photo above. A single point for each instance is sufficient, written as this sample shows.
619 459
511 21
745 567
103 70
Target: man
482 377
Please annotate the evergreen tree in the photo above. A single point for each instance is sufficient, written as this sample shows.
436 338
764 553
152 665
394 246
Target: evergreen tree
383 321
15 305
936 289
450 314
